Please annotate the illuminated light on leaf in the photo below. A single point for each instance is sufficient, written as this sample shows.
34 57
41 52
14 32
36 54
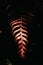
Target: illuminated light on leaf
20 33
0 31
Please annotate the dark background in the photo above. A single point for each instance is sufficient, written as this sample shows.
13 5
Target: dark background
8 48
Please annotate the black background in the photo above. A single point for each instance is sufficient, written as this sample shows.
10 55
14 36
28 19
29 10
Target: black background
8 48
